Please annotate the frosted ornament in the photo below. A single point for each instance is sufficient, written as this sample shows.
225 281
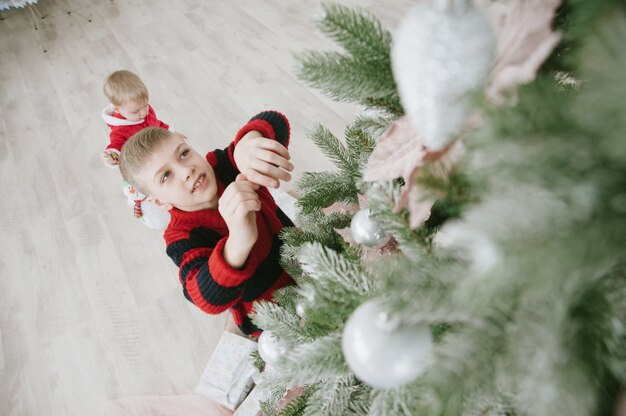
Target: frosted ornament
367 231
442 51
301 309
271 349
482 252
381 353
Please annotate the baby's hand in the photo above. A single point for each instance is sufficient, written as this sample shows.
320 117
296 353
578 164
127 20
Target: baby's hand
110 158
237 206
263 161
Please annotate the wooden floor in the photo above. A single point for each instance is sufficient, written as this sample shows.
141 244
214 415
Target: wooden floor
90 306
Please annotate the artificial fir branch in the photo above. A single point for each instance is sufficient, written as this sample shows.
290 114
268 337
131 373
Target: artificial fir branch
361 75
257 361
333 149
374 124
321 189
344 79
298 406
332 397
382 198
295 238
326 265
358 31
283 324
309 363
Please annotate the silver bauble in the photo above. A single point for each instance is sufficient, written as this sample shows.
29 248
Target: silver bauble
383 355
365 230
442 52
271 349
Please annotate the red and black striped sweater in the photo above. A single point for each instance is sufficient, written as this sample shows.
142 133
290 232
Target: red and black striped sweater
195 240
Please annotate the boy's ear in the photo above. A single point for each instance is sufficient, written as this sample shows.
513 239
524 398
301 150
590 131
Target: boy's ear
165 206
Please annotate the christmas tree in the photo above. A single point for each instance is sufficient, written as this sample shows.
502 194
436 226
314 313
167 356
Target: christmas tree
484 188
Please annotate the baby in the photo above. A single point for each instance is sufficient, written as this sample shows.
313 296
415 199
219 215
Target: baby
128 113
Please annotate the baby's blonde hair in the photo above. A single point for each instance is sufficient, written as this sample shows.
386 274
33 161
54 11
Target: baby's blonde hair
124 86
137 150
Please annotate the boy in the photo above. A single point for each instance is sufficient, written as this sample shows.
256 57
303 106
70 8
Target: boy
223 234
128 113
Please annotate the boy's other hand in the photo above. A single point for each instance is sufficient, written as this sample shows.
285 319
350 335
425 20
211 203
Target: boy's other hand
237 205
110 158
263 161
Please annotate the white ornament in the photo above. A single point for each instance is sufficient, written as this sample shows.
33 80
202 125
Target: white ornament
442 51
271 349
301 309
482 252
379 352
365 230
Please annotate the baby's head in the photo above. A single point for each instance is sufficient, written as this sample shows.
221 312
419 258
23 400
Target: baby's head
162 165
128 94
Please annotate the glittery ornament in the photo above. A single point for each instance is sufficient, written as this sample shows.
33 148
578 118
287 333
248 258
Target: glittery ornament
365 230
380 352
271 349
442 52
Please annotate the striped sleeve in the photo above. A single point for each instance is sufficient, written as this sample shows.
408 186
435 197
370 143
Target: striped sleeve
270 124
207 280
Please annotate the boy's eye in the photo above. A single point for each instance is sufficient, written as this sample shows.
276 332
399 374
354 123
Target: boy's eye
165 176
184 153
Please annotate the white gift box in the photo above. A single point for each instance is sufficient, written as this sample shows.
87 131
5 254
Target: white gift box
250 406
227 378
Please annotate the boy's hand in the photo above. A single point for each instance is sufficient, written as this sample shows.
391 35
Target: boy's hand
237 206
110 158
263 161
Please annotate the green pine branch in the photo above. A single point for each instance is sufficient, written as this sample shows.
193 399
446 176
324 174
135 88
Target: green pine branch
322 189
329 269
363 73
332 397
298 406
285 325
357 30
309 363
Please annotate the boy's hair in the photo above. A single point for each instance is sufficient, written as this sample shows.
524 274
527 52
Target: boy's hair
124 86
137 150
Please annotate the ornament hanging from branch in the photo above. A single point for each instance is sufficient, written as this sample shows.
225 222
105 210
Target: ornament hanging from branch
271 349
348 233
380 352
442 53
367 231
524 40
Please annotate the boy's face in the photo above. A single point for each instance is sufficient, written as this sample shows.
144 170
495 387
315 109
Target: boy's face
133 110
178 176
